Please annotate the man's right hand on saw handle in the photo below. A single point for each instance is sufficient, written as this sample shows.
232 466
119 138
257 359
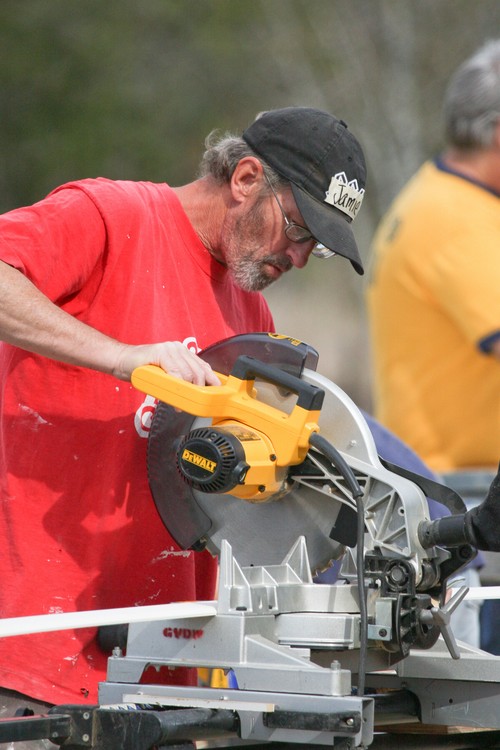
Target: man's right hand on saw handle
479 527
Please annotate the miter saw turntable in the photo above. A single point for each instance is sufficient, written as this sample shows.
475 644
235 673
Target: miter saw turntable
276 472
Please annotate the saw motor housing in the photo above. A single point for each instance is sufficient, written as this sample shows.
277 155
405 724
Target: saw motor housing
249 446
230 457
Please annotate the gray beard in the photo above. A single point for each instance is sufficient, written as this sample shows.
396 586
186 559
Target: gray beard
248 272
249 275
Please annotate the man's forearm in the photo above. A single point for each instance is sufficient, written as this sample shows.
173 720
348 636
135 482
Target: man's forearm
29 320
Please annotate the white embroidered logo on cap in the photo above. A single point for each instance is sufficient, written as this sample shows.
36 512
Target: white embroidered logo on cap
344 195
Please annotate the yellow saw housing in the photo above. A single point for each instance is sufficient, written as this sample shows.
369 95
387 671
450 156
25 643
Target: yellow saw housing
247 449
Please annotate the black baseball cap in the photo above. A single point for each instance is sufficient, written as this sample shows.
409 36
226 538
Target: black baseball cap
325 165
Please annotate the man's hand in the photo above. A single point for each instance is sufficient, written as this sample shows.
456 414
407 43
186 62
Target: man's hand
171 356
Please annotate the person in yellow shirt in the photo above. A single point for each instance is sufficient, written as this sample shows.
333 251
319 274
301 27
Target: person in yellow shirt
433 296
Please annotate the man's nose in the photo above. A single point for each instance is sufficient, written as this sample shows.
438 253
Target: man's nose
299 253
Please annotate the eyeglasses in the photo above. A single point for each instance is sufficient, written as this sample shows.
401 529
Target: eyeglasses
299 234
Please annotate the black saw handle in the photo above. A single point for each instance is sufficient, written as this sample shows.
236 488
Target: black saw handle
309 396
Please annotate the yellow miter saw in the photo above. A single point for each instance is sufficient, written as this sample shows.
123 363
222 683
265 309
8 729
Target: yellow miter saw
278 452
277 472
249 439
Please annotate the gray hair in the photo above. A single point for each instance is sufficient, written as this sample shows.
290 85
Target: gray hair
472 99
221 157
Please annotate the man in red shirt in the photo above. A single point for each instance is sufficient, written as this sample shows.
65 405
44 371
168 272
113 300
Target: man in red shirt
96 279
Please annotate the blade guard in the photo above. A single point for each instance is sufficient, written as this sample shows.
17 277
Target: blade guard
236 400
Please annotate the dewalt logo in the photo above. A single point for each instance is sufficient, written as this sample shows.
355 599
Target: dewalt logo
197 460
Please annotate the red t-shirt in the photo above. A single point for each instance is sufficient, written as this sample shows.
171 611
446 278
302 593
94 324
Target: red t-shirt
78 527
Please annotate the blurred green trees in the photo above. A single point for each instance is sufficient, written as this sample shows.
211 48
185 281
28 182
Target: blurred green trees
122 88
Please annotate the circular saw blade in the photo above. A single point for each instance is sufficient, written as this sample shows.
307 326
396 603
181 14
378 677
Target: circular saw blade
259 533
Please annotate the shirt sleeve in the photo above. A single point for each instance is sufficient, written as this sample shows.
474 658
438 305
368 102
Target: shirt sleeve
58 243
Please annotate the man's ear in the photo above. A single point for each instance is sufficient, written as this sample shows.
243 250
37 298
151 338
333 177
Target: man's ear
247 178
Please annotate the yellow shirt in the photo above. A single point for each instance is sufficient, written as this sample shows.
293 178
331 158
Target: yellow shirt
434 296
